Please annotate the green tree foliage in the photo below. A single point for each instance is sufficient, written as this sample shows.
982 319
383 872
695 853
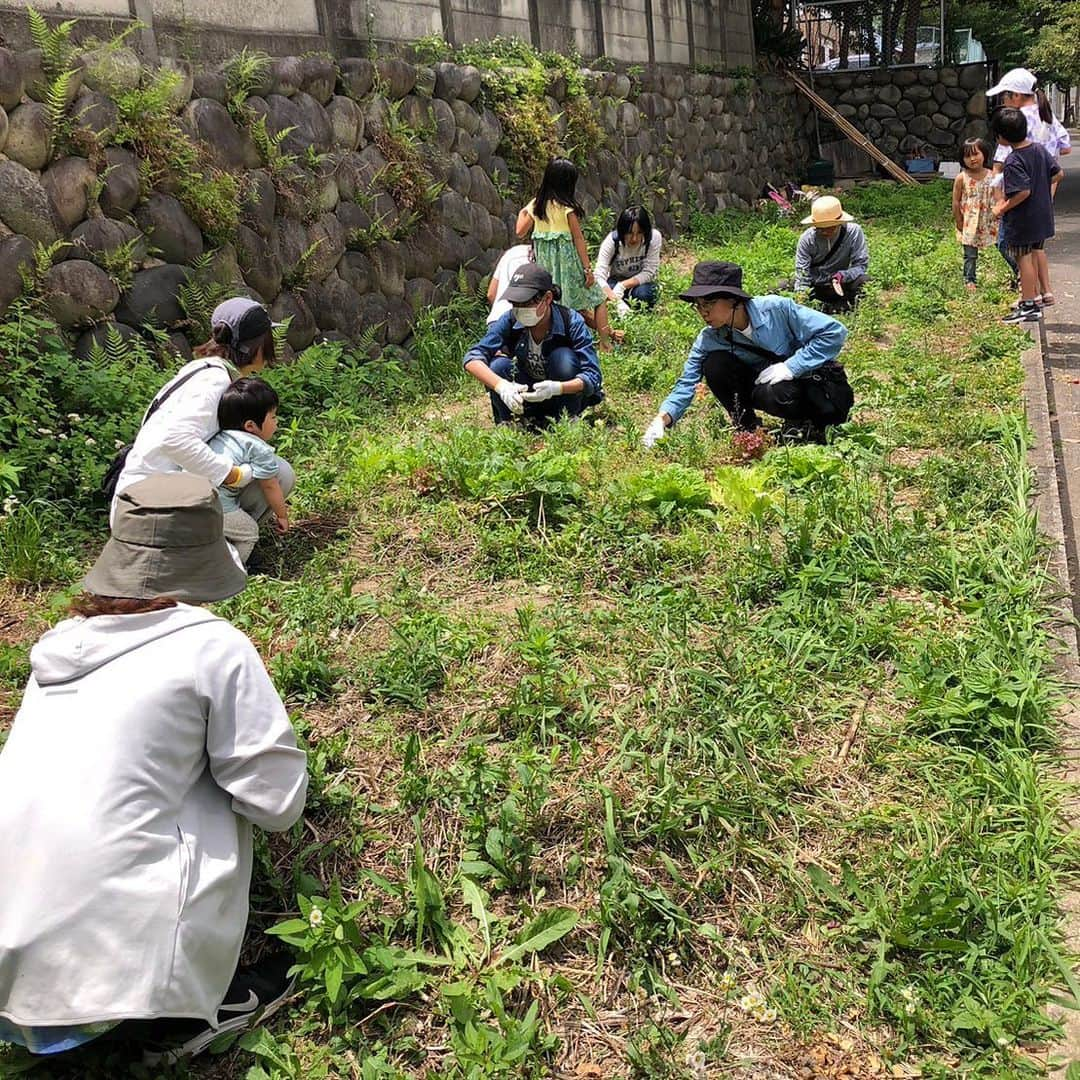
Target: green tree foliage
1005 30
1056 53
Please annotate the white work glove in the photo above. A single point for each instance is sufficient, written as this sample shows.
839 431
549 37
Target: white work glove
619 291
654 433
622 308
774 373
541 391
511 392
246 476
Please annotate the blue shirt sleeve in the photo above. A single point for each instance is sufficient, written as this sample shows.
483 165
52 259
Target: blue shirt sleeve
1016 177
682 394
581 340
819 336
486 348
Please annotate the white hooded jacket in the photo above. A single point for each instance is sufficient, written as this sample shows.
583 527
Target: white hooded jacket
145 748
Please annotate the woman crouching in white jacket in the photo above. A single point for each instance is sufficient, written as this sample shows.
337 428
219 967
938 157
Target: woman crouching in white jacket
183 416
149 741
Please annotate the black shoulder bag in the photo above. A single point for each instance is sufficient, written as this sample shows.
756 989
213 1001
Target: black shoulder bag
112 474
826 387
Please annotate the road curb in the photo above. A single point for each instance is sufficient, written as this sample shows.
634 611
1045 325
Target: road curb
1050 498
1051 491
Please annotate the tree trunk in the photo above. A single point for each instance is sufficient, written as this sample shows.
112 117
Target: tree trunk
911 31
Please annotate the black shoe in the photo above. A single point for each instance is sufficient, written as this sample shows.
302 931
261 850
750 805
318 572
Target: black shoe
255 994
806 432
1026 313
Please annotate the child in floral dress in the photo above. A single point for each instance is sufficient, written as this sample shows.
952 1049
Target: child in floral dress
973 203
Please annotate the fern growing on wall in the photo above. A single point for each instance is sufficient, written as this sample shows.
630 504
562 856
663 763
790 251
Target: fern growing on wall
55 44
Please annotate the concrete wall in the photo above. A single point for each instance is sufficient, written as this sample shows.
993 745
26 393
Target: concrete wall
715 34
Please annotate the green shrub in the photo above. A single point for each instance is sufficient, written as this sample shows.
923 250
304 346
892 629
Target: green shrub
61 418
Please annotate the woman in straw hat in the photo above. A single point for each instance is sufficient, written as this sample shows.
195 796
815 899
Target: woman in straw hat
148 742
832 257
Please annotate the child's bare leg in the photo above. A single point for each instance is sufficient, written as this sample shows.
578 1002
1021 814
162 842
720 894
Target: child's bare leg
1042 267
1029 277
603 328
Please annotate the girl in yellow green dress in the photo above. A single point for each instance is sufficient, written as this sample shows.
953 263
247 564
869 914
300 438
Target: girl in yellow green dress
554 220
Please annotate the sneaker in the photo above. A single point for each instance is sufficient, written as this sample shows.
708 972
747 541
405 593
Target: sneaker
1024 315
1038 302
255 994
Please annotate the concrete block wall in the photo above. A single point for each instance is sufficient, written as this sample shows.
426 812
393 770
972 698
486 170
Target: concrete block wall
714 34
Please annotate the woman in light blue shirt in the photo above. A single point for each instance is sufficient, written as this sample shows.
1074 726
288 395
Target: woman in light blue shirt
765 353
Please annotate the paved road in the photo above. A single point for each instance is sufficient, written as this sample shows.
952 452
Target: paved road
1061 355
1061 383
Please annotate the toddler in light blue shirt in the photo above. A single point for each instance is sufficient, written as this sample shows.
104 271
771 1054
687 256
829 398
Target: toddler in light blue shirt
247 413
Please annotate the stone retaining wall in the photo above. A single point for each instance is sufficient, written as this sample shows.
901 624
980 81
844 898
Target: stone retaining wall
307 243
903 109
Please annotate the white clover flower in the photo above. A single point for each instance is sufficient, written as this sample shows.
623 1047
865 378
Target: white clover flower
315 918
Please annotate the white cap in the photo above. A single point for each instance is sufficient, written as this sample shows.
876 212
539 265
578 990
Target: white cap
1017 81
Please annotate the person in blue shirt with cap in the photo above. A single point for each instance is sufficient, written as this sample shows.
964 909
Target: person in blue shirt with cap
537 360
764 353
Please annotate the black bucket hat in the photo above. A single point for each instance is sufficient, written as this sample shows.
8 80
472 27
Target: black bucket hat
715 279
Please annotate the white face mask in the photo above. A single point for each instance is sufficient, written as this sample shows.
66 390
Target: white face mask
527 316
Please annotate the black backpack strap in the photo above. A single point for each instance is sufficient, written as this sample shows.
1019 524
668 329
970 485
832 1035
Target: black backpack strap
162 398
832 249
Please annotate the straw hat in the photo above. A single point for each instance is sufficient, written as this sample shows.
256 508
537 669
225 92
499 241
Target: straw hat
825 212
167 539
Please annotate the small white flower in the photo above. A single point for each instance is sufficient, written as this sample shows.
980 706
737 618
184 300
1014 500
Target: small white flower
315 918
118 444
61 436
727 982
90 442
766 1015
10 503
54 459
752 1001
44 431
74 417
908 993
695 1062
910 1008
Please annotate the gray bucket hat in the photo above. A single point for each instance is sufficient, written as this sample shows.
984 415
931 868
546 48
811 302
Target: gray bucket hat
167 540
